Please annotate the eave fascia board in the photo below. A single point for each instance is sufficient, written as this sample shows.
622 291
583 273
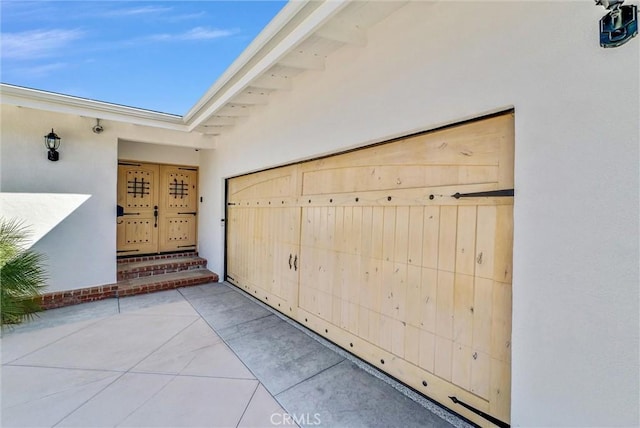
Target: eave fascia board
60 103
305 29
287 13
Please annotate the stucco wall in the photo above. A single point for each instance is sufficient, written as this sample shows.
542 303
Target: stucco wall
575 283
157 153
81 249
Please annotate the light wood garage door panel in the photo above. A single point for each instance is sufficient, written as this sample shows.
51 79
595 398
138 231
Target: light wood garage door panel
391 266
263 235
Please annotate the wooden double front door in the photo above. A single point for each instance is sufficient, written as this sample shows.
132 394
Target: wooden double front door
401 253
157 208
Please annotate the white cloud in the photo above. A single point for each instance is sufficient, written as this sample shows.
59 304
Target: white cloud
137 11
37 43
41 70
185 17
197 33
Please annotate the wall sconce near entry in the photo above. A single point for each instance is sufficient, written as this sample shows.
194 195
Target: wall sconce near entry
619 25
52 142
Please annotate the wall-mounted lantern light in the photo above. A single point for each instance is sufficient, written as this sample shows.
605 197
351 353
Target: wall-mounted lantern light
619 25
52 142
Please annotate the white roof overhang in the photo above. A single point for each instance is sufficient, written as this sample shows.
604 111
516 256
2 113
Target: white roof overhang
298 39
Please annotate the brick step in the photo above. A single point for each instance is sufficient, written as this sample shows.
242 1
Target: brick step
130 287
132 270
149 257
166 281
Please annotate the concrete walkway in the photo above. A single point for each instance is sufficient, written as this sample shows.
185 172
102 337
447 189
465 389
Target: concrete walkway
200 356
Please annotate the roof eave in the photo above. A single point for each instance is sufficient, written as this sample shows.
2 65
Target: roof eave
50 101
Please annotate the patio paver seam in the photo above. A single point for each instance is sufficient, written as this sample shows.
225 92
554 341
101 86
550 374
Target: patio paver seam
216 332
248 404
34 366
87 400
191 375
310 377
230 289
164 343
51 343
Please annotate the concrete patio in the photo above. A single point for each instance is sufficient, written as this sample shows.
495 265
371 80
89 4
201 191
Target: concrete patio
200 356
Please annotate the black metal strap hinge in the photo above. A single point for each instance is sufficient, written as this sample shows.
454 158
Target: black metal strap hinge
487 416
488 194
190 212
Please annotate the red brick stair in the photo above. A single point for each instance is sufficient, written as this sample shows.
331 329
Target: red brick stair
132 270
138 276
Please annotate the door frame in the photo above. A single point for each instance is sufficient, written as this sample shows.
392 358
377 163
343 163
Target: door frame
159 164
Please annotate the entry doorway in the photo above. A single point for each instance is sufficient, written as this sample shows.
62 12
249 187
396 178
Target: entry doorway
157 208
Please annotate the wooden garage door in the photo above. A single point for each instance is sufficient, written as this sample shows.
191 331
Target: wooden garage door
401 253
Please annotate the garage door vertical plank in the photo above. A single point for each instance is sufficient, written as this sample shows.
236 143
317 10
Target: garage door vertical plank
413 297
463 309
443 357
461 365
485 241
500 394
415 237
375 272
482 314
427 350
503 264
446 266
466 240
501 322
388 245
429 300
430 237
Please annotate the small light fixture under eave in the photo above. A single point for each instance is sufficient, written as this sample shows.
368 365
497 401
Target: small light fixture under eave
52 142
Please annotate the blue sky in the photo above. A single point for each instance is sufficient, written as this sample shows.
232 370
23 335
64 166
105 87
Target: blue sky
157 55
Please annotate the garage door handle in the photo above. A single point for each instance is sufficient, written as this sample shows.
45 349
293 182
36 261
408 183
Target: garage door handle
290 257
295 263
491 193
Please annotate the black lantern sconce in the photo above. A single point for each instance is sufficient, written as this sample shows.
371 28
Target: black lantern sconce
619 25
52 142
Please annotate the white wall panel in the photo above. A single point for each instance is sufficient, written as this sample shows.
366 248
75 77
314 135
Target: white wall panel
157 153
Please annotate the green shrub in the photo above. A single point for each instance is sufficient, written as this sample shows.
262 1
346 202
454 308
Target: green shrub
22 276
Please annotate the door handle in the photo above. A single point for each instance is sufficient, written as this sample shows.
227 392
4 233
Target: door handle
295 263
155 216
120 211
290 257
